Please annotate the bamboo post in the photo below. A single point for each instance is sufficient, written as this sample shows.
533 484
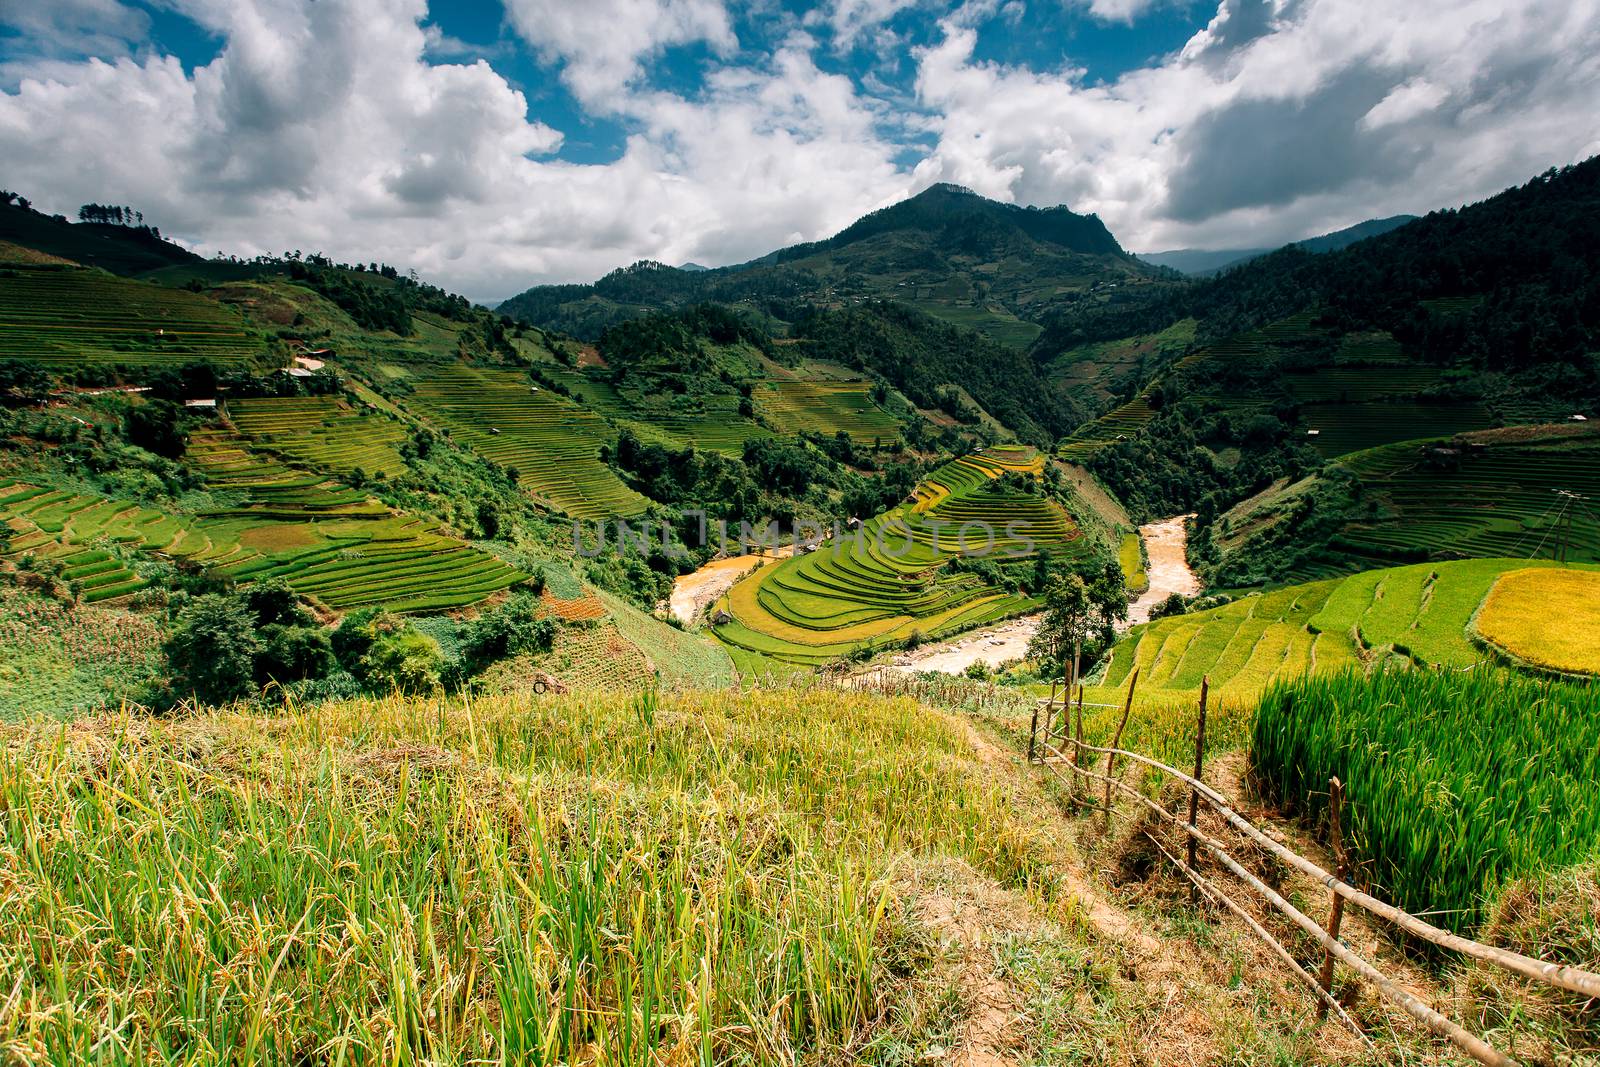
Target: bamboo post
1116 741
1341 871
1033 730
1077 749
1194 793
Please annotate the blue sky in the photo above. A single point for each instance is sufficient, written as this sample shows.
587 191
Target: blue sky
497 143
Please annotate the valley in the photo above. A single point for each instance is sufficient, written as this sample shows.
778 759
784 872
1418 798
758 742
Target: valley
679 667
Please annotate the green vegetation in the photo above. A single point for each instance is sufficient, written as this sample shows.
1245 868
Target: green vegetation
69 658
322 433
903 576
1131 558
333 545
1456 783
552 444
569 874
1493 493
1420 614
828 408
68 317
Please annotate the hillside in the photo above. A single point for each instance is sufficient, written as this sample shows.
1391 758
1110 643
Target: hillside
1424 614
1488 493
121 249
1460 321
911 574
970 261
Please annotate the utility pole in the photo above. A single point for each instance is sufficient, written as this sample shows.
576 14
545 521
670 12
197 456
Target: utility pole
1563 543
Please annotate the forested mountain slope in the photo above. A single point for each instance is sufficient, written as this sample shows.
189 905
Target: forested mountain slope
947 251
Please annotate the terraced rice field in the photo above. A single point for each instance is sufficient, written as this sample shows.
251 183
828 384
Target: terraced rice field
1119 423
826 407
1419 614
345 556
1492 494
552 443
1345 428
65 316
322 432
890 580
1545 618
711 423
1355 385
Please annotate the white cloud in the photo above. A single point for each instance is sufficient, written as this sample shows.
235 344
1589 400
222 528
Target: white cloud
1119 10
1281 118
850 19
1404 102
602 42
323 127
333 127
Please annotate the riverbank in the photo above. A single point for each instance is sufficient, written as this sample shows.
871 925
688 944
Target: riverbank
1166 544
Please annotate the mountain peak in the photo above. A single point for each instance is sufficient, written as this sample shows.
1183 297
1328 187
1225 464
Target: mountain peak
956 213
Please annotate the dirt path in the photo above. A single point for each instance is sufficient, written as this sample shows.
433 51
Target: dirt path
693 593
1166 543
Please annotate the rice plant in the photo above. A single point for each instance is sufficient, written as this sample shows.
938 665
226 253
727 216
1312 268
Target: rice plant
569 880
1456 782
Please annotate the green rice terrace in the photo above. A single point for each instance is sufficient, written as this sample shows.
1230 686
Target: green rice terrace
62 316
552 443
328 542
826 407
711 421
322 432
1491 493
888 583
1420 614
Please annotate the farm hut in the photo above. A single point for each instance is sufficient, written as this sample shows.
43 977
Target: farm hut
207 403
721 617
1578 418
853 524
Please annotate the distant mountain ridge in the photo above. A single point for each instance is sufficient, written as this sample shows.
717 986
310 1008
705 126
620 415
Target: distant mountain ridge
1200 262
946 251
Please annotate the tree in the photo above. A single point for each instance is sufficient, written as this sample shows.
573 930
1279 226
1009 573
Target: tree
273 602
515 627
1065 625
211 652
153 426
22 382
291 653
1080 618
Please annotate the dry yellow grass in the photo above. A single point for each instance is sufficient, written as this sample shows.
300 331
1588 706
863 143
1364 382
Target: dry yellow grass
1545 617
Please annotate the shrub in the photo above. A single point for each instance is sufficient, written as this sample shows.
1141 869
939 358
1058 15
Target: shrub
211 653
404 661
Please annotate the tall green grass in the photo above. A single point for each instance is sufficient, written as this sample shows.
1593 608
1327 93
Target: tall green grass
1456 782
602 879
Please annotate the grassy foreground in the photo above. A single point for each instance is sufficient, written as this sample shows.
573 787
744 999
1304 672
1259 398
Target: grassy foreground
582 879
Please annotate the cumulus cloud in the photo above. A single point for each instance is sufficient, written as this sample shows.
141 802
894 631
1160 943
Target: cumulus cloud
602 42
1280 118
1119 10
340 127
325 127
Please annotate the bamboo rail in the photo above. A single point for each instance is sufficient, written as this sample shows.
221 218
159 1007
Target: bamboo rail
1041 749
1573 979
